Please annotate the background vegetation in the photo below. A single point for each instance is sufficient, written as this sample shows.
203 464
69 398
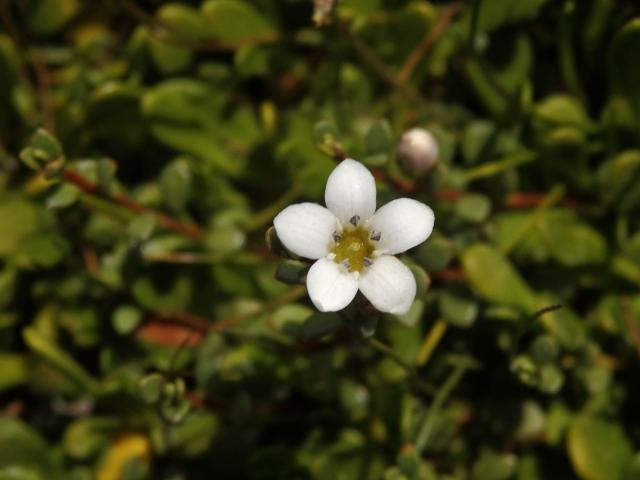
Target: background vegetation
148 331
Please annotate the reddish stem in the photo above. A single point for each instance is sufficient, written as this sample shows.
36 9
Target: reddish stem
164 220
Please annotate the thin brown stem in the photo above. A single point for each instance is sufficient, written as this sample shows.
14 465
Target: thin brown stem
164 220
374 62
416 55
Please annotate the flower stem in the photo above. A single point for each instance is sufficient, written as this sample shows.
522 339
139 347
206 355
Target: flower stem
441 396
164 220
431 341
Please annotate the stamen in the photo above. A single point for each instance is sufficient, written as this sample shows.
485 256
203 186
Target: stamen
367 262
375 236
336 237
354 220
352 248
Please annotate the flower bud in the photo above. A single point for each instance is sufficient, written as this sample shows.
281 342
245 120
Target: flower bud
417 151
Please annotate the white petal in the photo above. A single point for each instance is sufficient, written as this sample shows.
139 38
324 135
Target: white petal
389 285
306 229
402 224
351 191
331 287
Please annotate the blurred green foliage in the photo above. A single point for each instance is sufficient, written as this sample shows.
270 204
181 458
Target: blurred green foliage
147 330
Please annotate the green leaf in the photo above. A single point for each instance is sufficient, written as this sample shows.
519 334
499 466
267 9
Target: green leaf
494 14
22 446
43 151
598 449
186 115
562 110
168 57
236 20
314 326
151 387
564 324
86 437
473 207
10 64
623 65
14 370
64 196
495 279
175 184
291 272
114 115
570 241
619 181
44 249
59 358
194 435
494 466
435 254
458 310
19 218
182 21
49 16
379 138
126 319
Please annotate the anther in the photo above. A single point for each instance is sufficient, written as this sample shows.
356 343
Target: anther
346 264
336 237
375 236
367 262
354 220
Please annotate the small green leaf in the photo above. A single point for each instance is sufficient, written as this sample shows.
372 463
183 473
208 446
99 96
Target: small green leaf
473 207
175 184
46 17
59 358
598 449
182 21
292 272
494 466
562 110
235 20
458 310
379 138
43 152
86 437
14 370
151 387
168 57
64 196
494 278
570 241
126 319
623 66
619 180
22 446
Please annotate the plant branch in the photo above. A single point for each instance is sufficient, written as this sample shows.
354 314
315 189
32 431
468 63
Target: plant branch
164 220
374 62
416 55
441 396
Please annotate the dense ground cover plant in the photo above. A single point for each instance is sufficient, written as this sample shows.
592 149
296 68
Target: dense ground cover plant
152 325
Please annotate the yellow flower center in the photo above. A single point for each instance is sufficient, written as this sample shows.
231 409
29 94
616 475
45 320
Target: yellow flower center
352 248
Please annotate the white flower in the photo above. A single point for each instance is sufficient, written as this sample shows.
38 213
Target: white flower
354 244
